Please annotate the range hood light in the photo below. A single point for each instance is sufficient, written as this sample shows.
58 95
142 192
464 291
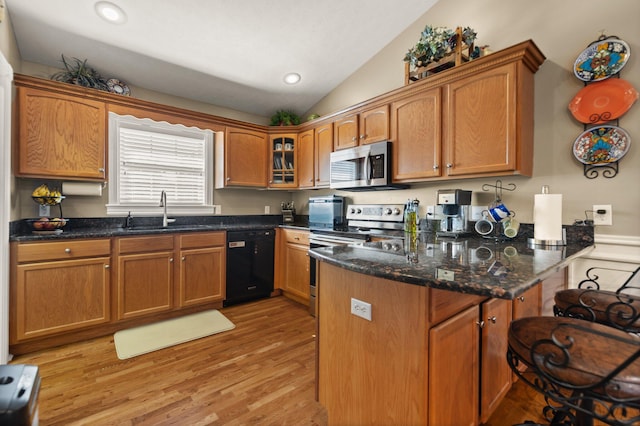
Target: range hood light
110 12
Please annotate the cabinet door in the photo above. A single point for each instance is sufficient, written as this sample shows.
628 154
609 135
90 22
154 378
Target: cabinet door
245 158
145 284
453 370
527 304
283 161
60 136
305 159
415 130
323 150
202 275
480 122
296 272
495 373
346 132
54 297
374 125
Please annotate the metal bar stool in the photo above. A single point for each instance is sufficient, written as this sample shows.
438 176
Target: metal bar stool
585 370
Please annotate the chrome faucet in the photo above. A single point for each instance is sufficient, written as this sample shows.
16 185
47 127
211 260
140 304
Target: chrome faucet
163 203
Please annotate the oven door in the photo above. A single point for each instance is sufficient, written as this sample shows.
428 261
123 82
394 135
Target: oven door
317 240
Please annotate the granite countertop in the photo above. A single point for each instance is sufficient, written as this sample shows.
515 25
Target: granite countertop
115 227
474 265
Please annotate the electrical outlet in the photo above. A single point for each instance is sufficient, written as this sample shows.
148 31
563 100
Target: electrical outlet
267 209
476 212
602 214
361 309
217 209
431 212
44 211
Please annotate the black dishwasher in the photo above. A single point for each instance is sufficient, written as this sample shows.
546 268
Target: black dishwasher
250 258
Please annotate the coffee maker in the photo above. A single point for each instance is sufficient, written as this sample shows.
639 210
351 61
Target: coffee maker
455 210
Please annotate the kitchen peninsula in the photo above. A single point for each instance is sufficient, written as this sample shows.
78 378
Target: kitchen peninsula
433 351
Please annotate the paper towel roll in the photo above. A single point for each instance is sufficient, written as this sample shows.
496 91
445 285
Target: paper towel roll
82 188
547 217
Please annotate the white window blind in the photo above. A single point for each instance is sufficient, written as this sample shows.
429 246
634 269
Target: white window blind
148 157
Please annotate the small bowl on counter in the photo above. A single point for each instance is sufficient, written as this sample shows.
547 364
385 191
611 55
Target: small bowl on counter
47 226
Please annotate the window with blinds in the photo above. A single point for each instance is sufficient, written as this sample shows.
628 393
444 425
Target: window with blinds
148 157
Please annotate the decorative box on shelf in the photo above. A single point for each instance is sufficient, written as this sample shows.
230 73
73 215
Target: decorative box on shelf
446 49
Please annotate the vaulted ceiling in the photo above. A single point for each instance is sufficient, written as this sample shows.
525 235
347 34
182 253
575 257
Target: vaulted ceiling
225 52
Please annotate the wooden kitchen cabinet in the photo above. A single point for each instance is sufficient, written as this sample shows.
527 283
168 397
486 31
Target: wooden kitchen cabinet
241 158
322 155
416 135
495 373
305 162
60 136
292 267
58 287
368 126
202 267
144 275
454 370
488 122
283 148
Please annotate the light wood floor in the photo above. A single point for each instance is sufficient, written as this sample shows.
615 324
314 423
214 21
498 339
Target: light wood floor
260 373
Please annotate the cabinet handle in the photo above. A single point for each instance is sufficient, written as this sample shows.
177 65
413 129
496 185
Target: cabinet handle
170 259
228 179
362 136
449 165
436 167
521 298
480 323
492 319
183 258
101 170
67 250
354 139
106 266
296 238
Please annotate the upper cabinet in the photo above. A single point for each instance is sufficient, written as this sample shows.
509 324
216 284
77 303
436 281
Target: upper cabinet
323 148
283 160
60 136
489 123
241 159
305 166
369 126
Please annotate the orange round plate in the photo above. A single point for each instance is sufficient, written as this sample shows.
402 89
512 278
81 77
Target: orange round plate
603 101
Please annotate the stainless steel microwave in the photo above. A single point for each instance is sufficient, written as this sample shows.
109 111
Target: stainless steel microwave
366 167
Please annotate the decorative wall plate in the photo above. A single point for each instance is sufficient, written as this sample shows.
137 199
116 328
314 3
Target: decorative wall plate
603 101
601 145
601 59
116 86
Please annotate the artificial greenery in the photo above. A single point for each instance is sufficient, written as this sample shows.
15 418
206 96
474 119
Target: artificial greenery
284 118
79 73
435 43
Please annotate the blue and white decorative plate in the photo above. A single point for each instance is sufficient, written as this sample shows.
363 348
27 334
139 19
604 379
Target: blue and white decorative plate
601 145
601 59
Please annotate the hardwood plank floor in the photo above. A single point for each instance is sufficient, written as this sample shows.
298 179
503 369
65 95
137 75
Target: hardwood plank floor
260 373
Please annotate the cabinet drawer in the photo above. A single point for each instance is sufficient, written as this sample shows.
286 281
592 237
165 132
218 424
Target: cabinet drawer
297 237
36 252
144 244
444 304
202 239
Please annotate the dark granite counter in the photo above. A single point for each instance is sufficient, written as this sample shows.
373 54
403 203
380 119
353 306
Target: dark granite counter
116 227
474 265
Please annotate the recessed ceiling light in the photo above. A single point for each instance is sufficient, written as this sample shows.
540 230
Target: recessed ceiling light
292 78
110 12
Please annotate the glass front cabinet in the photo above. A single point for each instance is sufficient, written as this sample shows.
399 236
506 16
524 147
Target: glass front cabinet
283 161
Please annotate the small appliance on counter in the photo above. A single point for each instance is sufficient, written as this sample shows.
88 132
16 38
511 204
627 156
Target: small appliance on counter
455 210
327 213
288 212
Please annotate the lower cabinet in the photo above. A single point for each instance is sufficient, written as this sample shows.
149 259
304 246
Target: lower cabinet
202 268
145 275
292 264
61 291
59 287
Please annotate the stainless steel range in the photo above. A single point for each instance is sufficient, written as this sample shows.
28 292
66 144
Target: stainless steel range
364 221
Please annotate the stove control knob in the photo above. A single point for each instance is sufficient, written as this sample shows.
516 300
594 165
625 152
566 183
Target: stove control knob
352 210
358 210
396 211
387 211
396 247
386 246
